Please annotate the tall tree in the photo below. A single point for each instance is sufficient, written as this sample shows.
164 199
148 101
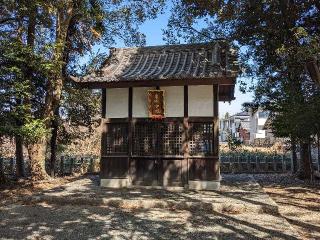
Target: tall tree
62 31
277 38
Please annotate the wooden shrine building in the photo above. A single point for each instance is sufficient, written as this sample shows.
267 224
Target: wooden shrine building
160 113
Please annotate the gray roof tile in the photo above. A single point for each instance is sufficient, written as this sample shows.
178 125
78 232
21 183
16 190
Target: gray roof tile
206 60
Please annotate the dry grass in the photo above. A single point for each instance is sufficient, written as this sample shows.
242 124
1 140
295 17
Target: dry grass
14 191
87 146
278 147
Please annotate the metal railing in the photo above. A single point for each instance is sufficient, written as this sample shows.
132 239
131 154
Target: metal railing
230 163
251 163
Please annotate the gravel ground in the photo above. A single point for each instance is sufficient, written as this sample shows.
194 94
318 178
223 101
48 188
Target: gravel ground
298 201
82 210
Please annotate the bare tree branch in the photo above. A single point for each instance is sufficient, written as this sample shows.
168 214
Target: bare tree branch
5 20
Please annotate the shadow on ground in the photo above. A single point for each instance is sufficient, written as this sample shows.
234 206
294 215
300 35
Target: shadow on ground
83 210
298 201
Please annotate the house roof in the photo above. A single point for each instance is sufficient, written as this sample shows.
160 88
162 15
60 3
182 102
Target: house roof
186 64
242 114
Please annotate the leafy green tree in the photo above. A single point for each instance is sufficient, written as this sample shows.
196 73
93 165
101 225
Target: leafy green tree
102 22
233 143
56 34
277 39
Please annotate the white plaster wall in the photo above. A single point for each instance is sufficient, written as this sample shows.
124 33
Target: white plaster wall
117 102
261 121
173 98
140 102
261 134
200 101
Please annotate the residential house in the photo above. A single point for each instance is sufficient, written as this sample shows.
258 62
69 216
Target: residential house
238 126
248 127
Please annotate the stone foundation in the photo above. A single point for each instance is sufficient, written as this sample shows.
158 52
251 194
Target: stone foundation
204 185
115 182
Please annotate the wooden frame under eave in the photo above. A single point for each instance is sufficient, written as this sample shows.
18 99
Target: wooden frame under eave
162 82
216 130
185 137
103 102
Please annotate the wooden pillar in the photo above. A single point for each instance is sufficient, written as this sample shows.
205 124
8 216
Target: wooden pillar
185 139
185 100
130 136
104 129
216 131
130 122
103 102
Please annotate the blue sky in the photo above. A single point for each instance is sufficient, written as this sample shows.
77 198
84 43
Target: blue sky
153 31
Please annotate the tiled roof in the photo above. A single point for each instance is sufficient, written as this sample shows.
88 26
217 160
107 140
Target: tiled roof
242 114
186 61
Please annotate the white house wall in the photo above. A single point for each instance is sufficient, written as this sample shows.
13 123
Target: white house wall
200 101
117 102
261 121
139 102
173 98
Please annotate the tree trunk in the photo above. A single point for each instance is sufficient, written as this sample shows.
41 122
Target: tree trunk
53 142
19 122
313 70
294 155
2 176
318 152
54 89
19 156
305 170
55 85
64 15
36 153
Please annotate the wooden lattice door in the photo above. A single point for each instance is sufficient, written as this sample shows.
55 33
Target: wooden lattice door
156 145
146 166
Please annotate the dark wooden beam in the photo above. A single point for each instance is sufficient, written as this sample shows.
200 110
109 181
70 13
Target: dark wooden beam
130 103
103 129
223 96
216 120
185 138
103 102
216 165
130 123
130 135
162 82
185 100
226 98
